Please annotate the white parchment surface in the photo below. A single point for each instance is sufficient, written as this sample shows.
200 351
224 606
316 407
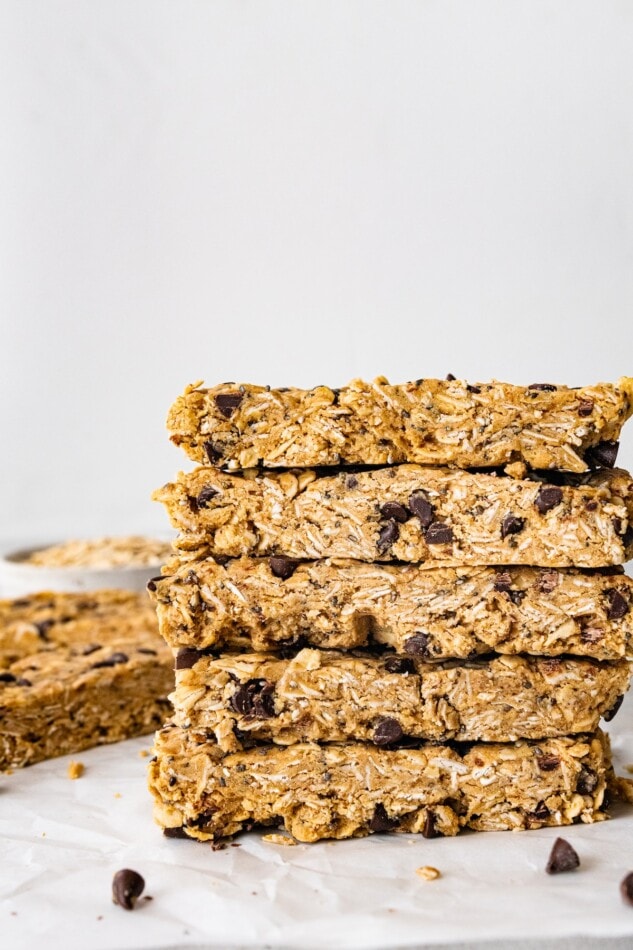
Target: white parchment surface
62 840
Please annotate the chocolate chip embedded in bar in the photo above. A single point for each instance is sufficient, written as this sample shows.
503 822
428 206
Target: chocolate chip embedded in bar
430 422
346 790
430 614
328 696
69 693
476 518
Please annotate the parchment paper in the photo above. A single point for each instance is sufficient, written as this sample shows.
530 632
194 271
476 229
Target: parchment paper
62 840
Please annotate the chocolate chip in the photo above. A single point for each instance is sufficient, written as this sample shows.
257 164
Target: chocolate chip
254 699
590 632
387 732
388 534
626 888
548 581
43 627
90 648
608 716
283 567
585 407
192 501
541 812
205 496
450 378
381 820
587 781
178 832
127 887
503 582
547 763
473 389
543 387
172 781
548 497
22 681
618 605
113 660
602 455
429 830
391 509
399 664
562 858
147 651
351 481
438 533
418 645
421 508
213 450
153 581
511 525
7 678
186 658
227 403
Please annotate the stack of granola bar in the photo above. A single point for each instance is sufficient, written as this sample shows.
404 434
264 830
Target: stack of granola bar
394 608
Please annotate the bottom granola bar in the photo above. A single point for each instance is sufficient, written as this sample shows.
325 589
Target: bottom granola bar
348 790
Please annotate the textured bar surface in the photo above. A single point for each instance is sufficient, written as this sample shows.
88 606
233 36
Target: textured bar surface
341 791
78 670
431 422
326 696
431 613
406 513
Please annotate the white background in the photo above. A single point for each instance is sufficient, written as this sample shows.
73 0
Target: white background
293 193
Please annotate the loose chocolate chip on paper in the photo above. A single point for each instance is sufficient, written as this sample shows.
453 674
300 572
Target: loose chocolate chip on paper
227 403
283 567
113 660
186 658
421 508
585 407
388 534
381 820
562 858
626 888
608 716
438 533
418 645
548 497
587 780
511 525
387 732
399 664
127 887
547 763
205 496
618 604
543 387
391 509
602 454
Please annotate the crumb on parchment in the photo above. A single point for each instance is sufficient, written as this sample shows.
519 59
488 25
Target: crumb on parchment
427 873
76 769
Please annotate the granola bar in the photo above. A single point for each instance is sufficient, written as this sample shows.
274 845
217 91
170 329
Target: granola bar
78 670
434 613
429 421
346 790
439 517
326 696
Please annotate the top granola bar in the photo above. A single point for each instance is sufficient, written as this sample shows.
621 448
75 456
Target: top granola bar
429 422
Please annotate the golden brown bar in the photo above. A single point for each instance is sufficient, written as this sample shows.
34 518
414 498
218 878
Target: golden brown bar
439 517
326 696
431 422
437 613
342 791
